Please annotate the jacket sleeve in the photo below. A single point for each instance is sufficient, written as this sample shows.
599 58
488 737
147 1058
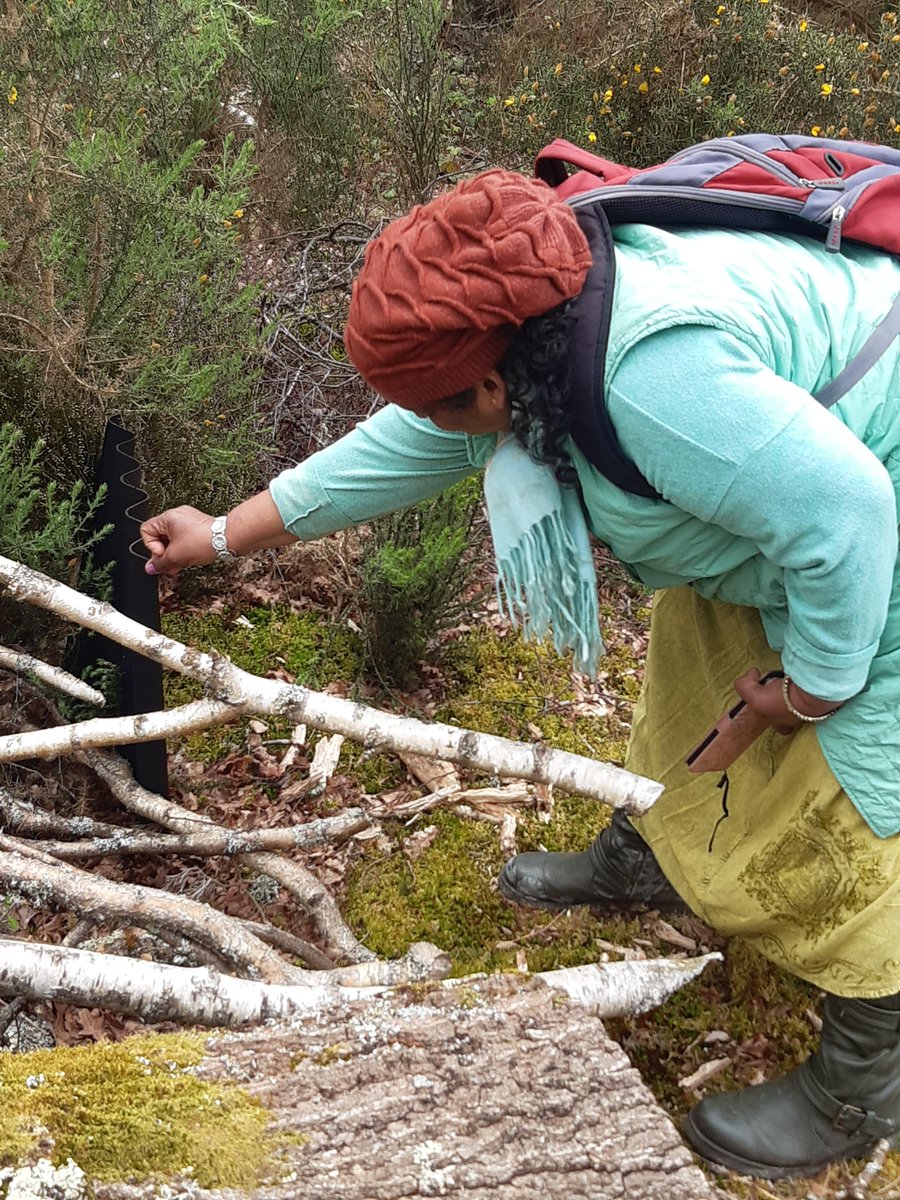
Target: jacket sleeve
388 462
723 437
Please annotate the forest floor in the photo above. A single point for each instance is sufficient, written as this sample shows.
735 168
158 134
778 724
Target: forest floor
431 877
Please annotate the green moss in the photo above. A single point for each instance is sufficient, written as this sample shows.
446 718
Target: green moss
339 1052
302 643
448 895
374 772
135 1109
504 685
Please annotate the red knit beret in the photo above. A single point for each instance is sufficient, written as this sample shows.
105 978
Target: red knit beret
442 290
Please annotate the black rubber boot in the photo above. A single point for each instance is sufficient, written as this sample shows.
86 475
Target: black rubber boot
836 1105
617 870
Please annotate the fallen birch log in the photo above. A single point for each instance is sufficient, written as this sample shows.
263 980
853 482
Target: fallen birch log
200 996
233 692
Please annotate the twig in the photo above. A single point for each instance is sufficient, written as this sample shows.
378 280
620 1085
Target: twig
213 841
291 944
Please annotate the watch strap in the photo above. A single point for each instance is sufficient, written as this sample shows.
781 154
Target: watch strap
219 538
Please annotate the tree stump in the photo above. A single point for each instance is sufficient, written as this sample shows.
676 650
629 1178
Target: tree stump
500 1090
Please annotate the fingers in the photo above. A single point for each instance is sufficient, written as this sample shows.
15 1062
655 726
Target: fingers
177 538
747 685
766 699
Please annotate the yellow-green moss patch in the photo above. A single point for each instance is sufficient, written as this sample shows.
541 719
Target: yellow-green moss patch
304 644
448 895
135 1109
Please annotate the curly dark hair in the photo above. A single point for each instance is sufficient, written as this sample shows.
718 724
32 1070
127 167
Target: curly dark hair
535 370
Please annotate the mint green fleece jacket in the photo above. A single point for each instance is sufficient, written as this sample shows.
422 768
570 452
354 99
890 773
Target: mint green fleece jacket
718 341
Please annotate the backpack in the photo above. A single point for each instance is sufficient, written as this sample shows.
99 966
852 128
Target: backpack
823 188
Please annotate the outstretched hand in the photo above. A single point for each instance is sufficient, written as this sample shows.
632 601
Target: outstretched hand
179 537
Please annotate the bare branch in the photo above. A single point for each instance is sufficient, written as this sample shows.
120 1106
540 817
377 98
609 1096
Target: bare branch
21 818
24 664
44 881
203 997
240 692
115 772
213 841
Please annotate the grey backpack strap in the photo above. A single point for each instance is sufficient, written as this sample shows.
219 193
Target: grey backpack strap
876 344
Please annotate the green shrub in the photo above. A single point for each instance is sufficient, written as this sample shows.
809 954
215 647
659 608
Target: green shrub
120 281
302 104
43 528
415 571
404 72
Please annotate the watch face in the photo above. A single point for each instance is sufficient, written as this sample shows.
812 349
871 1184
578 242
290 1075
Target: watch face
219 543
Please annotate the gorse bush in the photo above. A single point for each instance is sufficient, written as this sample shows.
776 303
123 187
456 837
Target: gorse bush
301 106
120 287
638 85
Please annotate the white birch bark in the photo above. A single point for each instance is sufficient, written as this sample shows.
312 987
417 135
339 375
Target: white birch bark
48 883
24 664
214 841
233 692
338 936
199 996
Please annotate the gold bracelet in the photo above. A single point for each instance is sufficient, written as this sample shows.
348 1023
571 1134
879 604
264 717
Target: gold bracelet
785 685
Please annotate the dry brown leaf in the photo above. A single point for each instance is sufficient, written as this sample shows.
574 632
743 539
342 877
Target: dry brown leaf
417 843
432 773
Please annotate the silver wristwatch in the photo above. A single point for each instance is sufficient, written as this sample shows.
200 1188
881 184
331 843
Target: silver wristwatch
219 540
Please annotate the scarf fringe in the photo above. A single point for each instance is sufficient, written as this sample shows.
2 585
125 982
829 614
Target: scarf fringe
540 591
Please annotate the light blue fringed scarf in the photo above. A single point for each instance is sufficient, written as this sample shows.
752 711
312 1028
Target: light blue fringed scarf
546 579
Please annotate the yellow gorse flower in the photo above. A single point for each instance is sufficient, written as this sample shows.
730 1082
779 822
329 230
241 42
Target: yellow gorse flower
704 81
826 89
804 25
816 130
644 89
12 95
592 137
819 67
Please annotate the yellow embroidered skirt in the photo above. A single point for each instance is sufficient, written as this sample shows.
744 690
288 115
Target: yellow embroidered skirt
793 868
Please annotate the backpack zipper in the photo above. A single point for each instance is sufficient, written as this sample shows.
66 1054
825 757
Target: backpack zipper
833 237
635 194
745 154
